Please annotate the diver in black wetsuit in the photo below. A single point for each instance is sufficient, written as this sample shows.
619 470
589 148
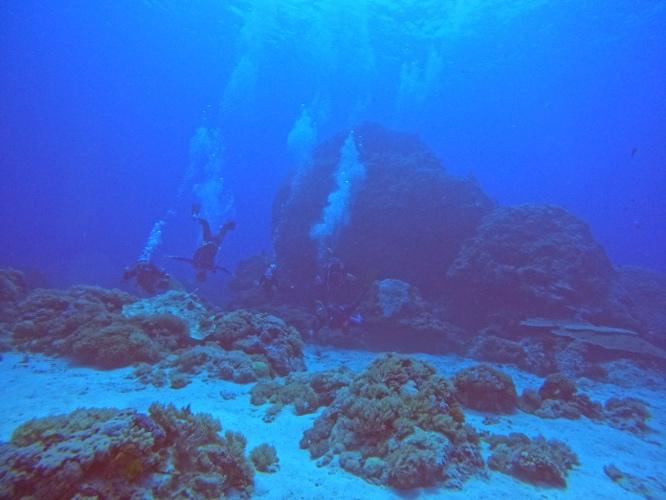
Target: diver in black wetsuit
148 276
268 281
203 259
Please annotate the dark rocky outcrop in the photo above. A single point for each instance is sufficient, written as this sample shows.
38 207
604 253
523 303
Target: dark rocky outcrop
407 220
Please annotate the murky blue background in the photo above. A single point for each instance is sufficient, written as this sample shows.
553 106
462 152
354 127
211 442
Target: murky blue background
558 102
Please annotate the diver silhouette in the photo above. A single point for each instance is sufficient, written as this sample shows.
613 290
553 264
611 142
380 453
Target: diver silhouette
203 259
148 276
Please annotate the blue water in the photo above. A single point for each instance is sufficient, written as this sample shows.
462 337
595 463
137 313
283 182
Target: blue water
558 102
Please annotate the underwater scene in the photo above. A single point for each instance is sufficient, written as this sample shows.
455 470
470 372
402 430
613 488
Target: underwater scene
333 249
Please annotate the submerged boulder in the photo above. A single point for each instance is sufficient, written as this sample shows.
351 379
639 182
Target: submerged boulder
405 217
531 260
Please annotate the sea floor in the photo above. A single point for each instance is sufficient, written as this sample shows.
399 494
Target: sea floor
37 386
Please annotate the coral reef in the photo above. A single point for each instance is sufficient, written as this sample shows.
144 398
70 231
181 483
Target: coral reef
379 239
647 290
627 414
621 341
264 334
206 464
530 260
651 488
187 307
485 388
109 329
538 461
306 391
558 397
398 424
110 453
530 354
264 457
207 360
13 287
85 323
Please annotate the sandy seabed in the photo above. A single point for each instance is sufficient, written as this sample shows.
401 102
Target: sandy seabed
38 386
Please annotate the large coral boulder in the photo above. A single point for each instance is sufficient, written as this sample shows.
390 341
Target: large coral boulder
407 218
531 260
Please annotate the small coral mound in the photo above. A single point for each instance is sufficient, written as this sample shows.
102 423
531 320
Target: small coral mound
208 360
529 354
264 457
627 414
646 487
485 388
537 461
110 453
558 397
307 392
260 333
187 307
398 424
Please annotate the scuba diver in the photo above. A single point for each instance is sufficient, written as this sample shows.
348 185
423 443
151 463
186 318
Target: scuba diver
268 281
337 316
203 259
333 277
148 276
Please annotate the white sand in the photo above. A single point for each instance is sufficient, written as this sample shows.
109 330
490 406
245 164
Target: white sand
37 386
